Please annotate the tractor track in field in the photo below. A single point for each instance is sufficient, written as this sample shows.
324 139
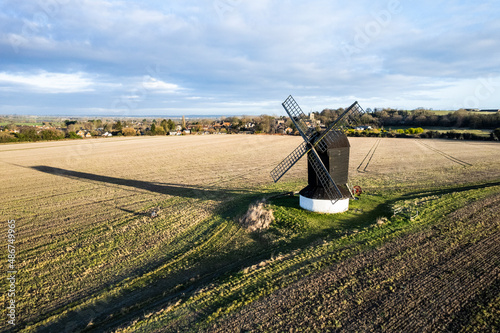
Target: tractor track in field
430 280
363 166
445 155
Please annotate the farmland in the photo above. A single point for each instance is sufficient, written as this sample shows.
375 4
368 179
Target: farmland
423 238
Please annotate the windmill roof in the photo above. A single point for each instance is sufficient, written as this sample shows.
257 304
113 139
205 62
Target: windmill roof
340 141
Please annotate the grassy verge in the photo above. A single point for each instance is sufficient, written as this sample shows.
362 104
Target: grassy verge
301 243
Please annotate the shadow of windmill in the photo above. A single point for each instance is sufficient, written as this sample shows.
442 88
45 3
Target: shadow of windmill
178 190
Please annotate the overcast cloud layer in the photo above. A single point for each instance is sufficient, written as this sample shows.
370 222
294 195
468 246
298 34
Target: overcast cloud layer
214 57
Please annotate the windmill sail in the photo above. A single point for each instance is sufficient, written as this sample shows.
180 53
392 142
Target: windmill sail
349 117
289 161
297 116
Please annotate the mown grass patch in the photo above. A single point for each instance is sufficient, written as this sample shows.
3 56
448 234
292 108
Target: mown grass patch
362 212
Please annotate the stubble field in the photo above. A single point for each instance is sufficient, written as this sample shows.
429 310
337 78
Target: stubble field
90 257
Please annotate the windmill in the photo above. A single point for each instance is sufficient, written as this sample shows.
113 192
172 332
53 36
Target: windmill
328 160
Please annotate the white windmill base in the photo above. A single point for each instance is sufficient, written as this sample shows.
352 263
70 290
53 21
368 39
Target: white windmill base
324 206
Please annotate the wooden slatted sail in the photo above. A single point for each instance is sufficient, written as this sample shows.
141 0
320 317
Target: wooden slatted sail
297 116
289 161
348 118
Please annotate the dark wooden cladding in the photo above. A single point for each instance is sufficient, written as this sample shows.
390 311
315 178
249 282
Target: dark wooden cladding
339 164
336 161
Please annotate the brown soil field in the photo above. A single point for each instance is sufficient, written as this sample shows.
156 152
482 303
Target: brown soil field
84 235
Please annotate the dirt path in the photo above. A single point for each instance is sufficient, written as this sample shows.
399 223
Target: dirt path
433 280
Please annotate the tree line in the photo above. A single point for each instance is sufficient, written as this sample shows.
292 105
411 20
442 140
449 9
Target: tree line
420 118
382 122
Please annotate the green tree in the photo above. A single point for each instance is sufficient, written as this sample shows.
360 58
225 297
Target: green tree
196 128
263 124
27 133
236 123
88 125
108 127
118 126
164 124
51 134
170 125
367 119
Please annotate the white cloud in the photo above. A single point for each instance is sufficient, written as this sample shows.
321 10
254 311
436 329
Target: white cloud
45 82
159 86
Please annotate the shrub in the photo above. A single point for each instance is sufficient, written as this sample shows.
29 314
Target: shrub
28 134
73 135
7 137
129 131
391 134
417 130
159 130
433 134
51 134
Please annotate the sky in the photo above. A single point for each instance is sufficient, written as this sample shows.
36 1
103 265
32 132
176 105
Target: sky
235 57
